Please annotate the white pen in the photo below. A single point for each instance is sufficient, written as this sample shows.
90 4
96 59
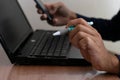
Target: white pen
64 31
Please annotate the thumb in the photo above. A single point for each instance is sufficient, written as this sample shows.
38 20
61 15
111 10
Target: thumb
52 7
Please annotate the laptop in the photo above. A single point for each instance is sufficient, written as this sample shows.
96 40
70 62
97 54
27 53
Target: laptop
24 46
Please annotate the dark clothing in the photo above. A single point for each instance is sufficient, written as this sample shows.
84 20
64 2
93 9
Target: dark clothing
109 29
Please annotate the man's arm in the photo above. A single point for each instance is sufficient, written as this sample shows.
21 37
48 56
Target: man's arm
109 29
89 41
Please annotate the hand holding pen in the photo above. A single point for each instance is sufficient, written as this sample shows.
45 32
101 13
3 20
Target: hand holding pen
65 31
88 40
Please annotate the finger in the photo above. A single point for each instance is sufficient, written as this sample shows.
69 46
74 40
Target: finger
43 17
74 41
55 21
37 6
78 37
90 45
96 39
81 35
83 28
77 29
54 7
39 11
59 21
83 49
83 44
84 40
51 8
77 21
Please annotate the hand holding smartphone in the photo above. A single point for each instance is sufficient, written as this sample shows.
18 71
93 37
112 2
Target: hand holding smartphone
44 10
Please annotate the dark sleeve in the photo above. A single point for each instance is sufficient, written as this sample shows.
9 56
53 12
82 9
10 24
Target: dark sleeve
118 56
109 29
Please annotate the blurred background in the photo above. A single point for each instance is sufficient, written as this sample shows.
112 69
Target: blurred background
91 8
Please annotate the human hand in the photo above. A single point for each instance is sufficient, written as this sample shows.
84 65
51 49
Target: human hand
91 46
61 14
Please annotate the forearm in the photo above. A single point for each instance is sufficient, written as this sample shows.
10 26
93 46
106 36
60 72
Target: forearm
101 25
108 29
110 63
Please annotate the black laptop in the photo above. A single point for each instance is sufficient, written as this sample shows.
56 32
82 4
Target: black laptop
25 46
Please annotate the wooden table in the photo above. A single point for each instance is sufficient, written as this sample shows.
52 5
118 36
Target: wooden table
9 71
32 72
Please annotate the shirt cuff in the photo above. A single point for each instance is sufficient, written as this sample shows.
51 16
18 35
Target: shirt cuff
78 16
118 56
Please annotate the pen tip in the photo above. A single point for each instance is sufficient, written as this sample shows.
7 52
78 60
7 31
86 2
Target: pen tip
90 23
56 33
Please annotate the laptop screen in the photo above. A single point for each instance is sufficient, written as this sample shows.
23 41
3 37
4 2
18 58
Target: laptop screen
14 28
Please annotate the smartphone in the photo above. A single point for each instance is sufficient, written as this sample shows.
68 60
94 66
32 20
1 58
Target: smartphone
44 10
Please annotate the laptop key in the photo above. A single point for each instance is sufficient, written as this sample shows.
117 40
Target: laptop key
40 36
65 47
60 43
41 46
50 54
48 44
66 44
27 49
59 47
57 54
63 53
53 46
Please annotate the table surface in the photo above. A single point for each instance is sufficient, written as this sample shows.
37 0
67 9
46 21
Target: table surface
37 72
9 71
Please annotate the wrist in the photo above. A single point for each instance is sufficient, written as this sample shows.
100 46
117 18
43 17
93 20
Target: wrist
113 64
110 64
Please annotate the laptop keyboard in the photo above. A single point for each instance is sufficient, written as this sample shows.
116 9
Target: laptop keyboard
43 44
